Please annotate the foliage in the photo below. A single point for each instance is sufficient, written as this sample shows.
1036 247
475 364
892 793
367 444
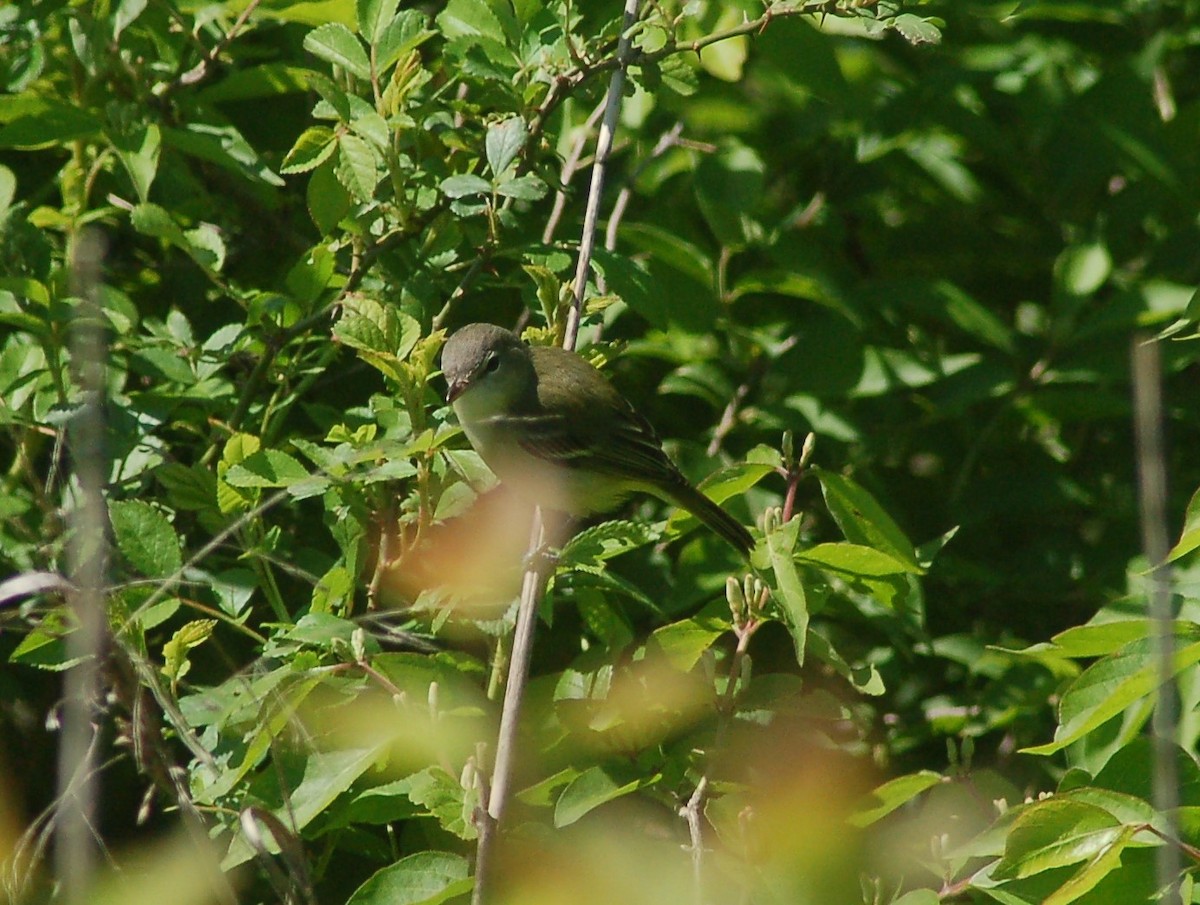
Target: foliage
923 232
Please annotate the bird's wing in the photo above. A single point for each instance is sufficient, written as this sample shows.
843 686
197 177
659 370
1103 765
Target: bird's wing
593 428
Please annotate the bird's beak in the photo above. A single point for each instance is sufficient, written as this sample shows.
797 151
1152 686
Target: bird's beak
455 389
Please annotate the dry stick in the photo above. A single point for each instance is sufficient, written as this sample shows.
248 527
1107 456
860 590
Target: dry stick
604 142
1152 487
537 574
570 165
75 853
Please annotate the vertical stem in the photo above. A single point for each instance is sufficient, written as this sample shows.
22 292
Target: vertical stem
75 853
608 127
532 589
1152 493
538 572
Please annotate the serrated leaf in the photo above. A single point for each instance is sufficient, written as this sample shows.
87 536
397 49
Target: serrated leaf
357 166
403 34
373 17
526 187
175 652
335 43
604 541
503 143
464 185
442 796
314 146
373 128
266 468
916 29
145 538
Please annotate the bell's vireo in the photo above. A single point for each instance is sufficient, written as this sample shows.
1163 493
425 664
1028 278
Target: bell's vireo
552 427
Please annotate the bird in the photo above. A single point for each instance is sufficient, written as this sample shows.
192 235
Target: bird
553 428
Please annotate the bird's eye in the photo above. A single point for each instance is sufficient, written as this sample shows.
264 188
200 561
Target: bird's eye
493 364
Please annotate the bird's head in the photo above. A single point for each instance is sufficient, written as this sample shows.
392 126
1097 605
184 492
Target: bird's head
490 364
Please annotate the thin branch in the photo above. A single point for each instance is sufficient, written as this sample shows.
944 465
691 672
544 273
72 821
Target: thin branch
1152 487
608 128
570 165
537 573
75 851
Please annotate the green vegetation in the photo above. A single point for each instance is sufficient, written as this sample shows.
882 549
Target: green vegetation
929 234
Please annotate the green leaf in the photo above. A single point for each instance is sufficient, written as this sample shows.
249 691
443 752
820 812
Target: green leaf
373 128
8 190
203 244
1099 639
725 59
464 185
266 468
917 29
863 520
526 187
1189 540
424 878
602 542
175 652
892 794
853 559
327 774
1108 687
53 124
504 142
315 145
357 166
1082 269
592 788
382 335
126 14
443 797
729 187
145 538
1054 833
335 43
1106 859
374 17
267 80
224 146
328 201
138 152
634 286
45 647
473 20
684 642
789 589
403 34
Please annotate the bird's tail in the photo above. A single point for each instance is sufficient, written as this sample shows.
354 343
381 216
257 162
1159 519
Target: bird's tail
685 496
